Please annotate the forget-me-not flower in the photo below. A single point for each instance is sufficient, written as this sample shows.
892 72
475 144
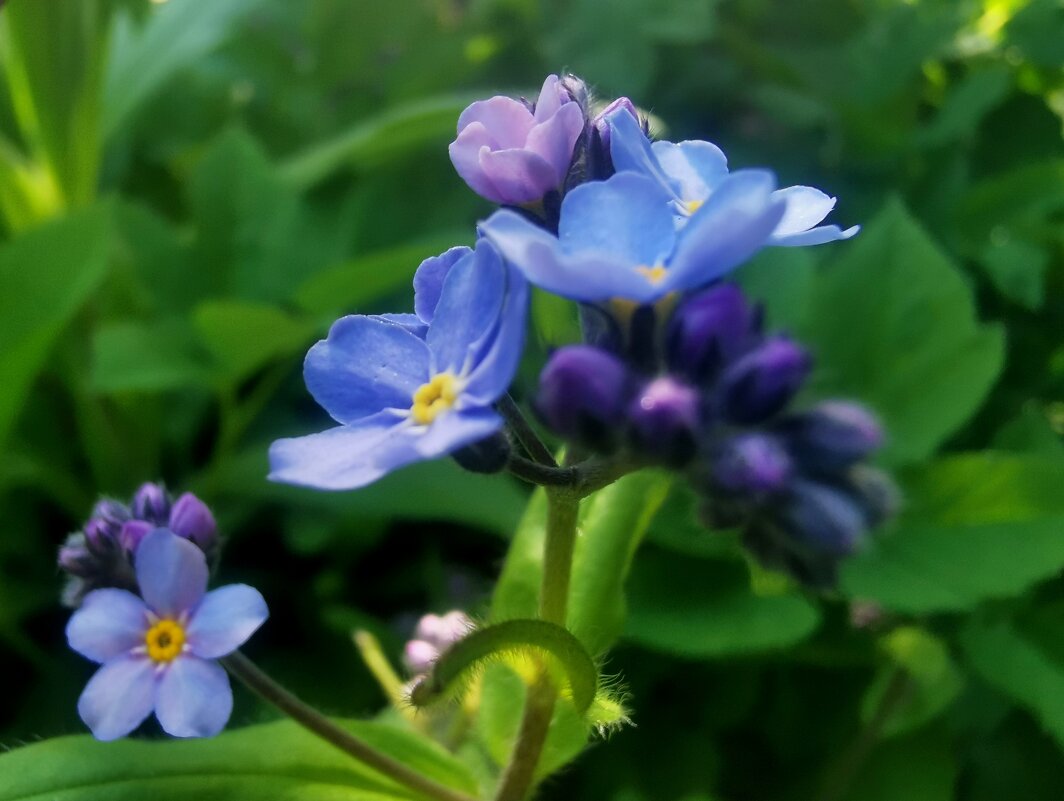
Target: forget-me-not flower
400 397
692 171
618 239
157 650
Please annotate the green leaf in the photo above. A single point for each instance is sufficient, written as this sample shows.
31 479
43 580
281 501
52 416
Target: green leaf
922 767
54 58
275 761
978 526
933 680
892 314
145 57
706 609
1020 665
46 274
243 337
147 357
355 284
1018 269
967 102
381 139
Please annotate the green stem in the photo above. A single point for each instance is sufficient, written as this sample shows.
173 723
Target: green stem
563 506
520 774
312 720
524 432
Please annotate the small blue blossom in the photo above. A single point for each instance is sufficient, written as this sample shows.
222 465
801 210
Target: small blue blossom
691 172
400 397
157 653
618 239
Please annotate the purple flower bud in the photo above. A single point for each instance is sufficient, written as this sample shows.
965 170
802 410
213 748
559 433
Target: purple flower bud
663 419
583 392
763 381
419 655
603 128
151 503
190 518
832 436
133 532
824 518
752 464
710 330
101 535
74 557
443 631
512 155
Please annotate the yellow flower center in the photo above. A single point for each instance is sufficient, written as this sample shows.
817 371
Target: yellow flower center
654 275
165 640
434 397
691 206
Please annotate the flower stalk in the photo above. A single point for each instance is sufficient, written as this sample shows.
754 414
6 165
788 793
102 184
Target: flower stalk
311 719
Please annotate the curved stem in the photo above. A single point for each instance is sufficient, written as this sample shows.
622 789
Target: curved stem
583 478
311 719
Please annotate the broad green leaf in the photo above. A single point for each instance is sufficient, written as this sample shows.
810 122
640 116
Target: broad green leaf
46 274
932 680
276 761
972 97
1036 32
1018 269
145 56
1030 192
381 139
244 337
976 527
355 284
1031 432
54 57
892 324
1022 667
706 609
921 767
159 258
147 357
676 527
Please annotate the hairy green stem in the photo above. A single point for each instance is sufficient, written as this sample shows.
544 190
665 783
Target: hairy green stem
311 719
520 774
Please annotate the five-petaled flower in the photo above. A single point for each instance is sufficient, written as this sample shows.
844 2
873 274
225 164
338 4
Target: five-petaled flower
401 397
157 652
691 172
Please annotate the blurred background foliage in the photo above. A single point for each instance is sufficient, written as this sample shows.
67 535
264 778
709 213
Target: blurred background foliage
192 191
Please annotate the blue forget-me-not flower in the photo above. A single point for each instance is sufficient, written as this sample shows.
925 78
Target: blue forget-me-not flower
157 650
401 397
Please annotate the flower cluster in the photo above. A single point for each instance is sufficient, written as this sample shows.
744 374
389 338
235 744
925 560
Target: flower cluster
433 635
157 650
101 554
675 368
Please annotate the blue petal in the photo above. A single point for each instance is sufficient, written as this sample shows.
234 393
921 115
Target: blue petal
630 149
109 623
627 218
411 322
118 697
805 207
815 236
495 370
468 311
694 168
428 281
455 430
731 226
366 365
224 620
171 573
345 457
538 256
194 698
